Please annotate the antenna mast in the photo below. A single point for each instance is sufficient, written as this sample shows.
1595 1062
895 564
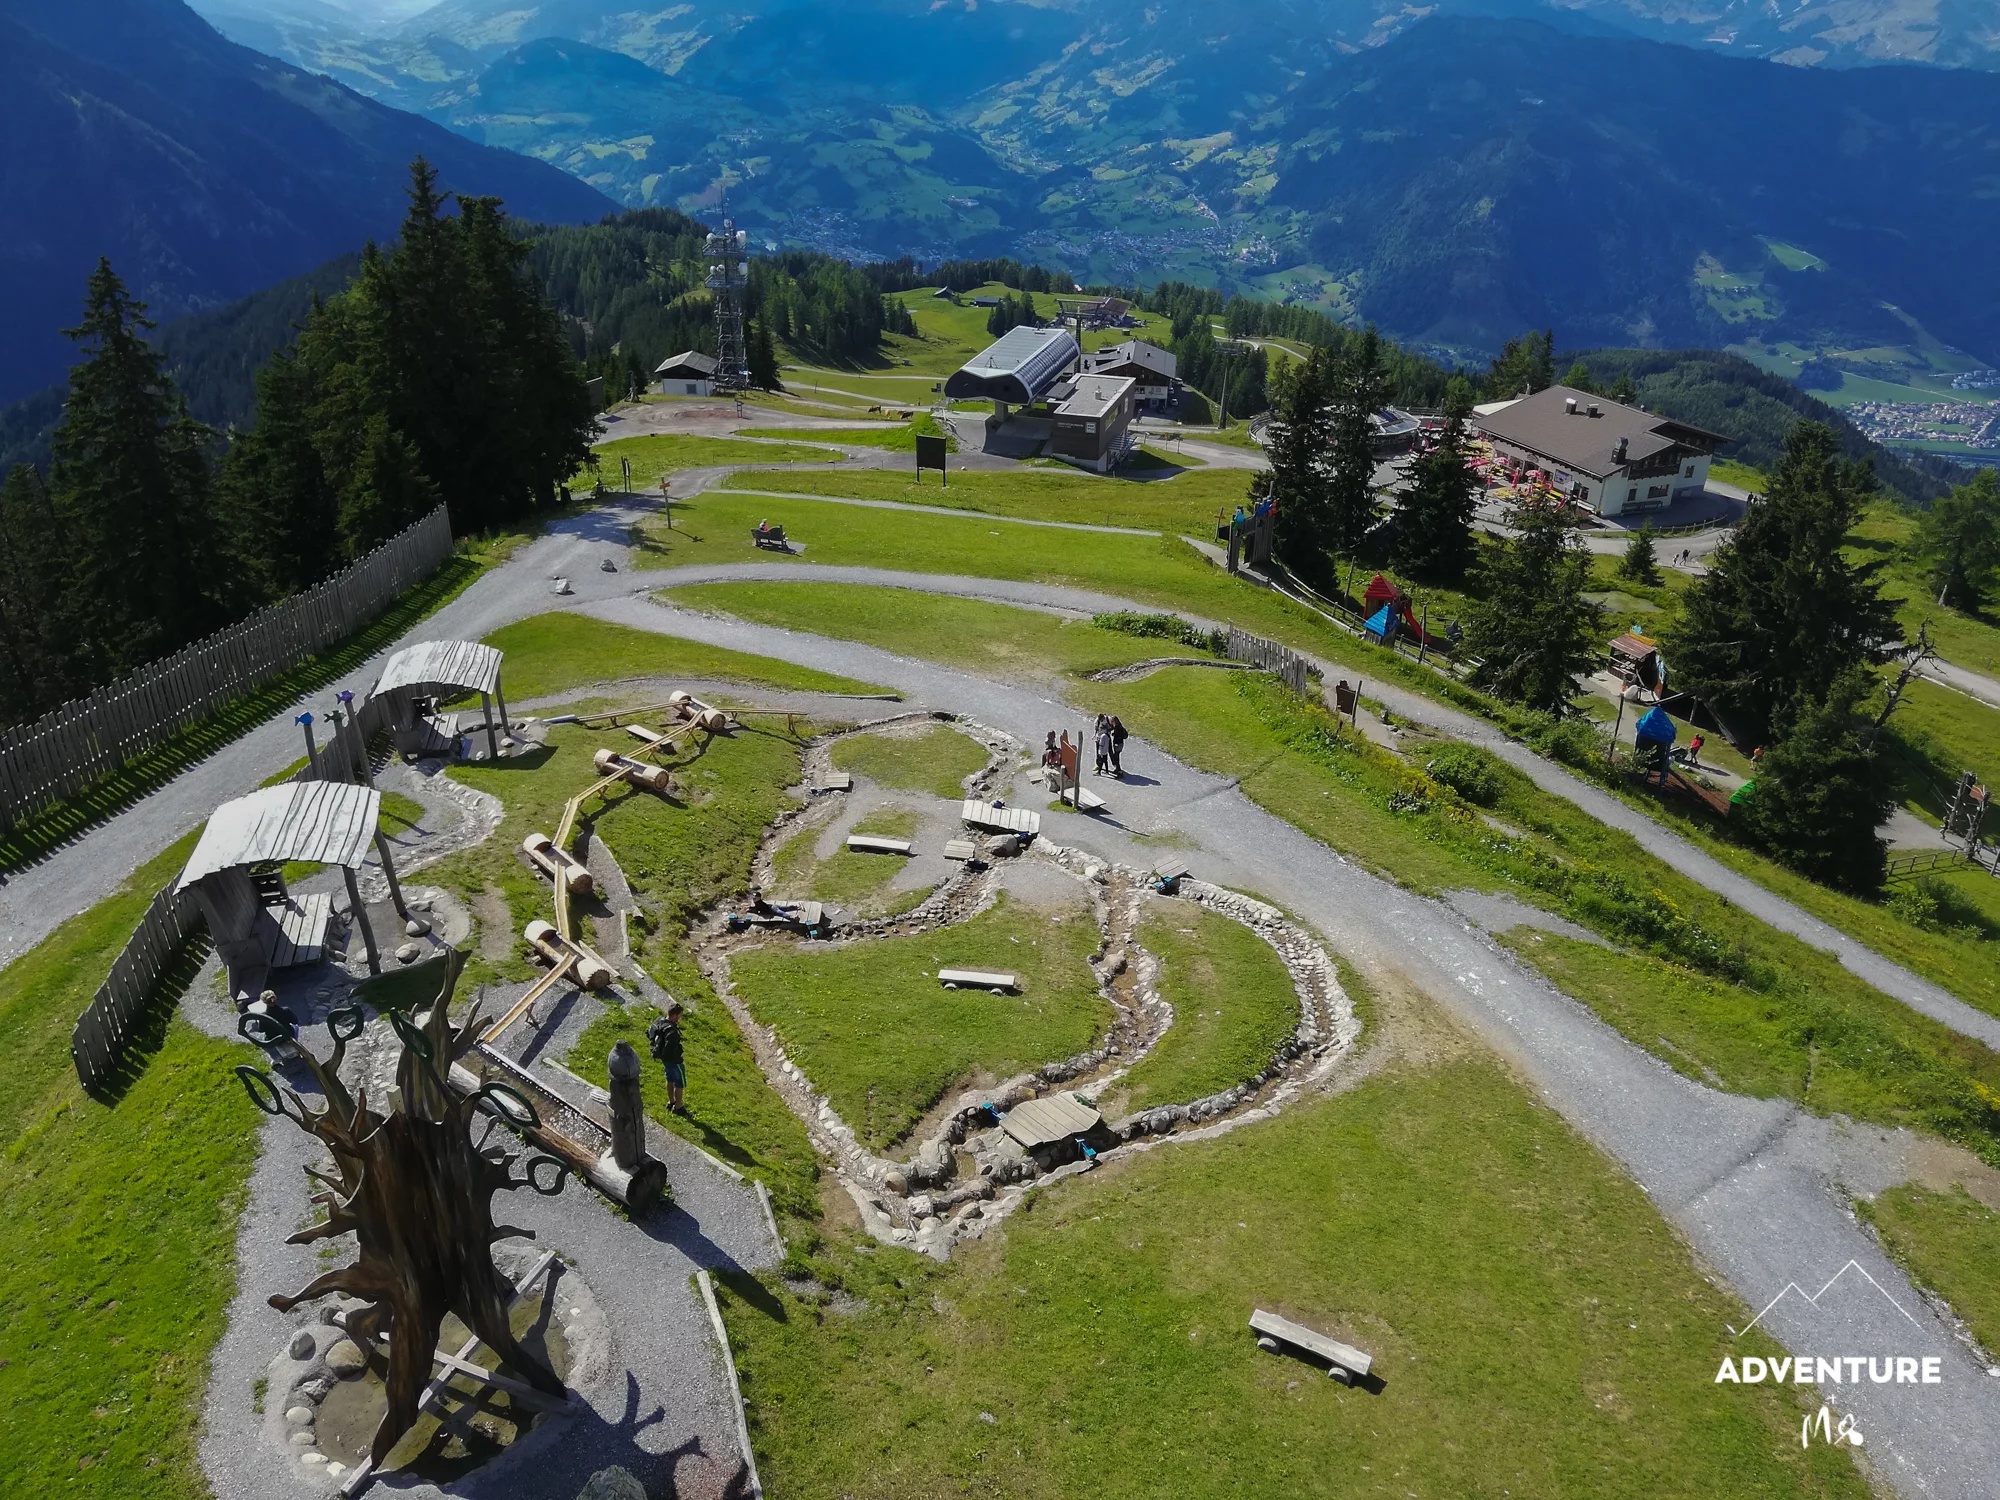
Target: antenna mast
727 280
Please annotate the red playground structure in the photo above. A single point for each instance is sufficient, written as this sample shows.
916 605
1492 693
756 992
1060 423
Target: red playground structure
1389 616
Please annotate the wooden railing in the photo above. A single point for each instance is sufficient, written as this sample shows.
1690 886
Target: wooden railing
111 1022
1287 663
75 747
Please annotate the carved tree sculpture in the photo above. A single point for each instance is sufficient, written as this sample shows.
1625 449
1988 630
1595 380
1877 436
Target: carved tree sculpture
415 1189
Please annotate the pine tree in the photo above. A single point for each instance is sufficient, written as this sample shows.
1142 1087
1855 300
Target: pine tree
1622 390
1578 378
129 477
1434 524
1959 539
1822 791
1782 613
1534 633
1301 437
764 358
40 665
1526 365
1639 564
1360 389
276 503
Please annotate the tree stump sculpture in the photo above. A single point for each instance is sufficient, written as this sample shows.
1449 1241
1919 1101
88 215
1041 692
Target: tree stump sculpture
416 1191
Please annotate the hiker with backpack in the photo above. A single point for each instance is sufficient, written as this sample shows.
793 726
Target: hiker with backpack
663 1037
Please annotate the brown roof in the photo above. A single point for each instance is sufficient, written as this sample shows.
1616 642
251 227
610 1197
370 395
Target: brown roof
1135 357
1544 424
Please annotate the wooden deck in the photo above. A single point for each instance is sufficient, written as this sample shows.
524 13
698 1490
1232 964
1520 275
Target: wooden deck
1052 1118
977 814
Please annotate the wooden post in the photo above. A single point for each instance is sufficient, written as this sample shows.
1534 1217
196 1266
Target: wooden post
1424 633
492 740
628 1114
361 917
505 727
360 739
389 871
1617 724
312 748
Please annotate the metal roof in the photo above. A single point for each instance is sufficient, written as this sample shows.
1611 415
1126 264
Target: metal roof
456 664
1019 367
1096 395
701 364
327 822
1544 425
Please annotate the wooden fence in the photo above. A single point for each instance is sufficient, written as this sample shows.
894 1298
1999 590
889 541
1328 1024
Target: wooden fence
1287 663
110 1022
73 748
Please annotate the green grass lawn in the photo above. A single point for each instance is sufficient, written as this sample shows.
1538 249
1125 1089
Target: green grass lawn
1949 1242
1187 502
656 455
901 438
994 640
1233 1005
858 882
874 1030
935 760
1763 1011
1538 1330
120 1219
991 638
1887 532
547 654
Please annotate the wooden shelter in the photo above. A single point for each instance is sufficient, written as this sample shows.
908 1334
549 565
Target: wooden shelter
417 678
236 872
1050 1122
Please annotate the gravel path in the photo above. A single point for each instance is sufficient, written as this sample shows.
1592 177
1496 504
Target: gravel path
1758 1186
1892 978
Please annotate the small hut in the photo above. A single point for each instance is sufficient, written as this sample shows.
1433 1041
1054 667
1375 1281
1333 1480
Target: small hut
418 679
237 872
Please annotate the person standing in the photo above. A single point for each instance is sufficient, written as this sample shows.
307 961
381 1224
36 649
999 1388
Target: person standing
664 1038
1118 738
1103 737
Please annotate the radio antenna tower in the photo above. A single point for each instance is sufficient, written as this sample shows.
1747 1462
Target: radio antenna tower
726 279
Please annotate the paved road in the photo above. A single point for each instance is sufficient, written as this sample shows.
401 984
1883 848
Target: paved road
1972 684
1746 1180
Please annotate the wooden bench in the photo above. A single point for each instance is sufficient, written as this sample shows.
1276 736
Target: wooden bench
771 537
978 979
961 849
1347 1363
302 924
870 843
1167 874
836 781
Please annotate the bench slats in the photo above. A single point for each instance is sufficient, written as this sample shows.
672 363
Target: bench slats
1301 1337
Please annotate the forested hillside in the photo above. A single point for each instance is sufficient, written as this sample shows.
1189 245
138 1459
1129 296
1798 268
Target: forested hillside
441 374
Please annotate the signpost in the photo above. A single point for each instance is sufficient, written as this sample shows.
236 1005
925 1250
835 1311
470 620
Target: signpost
931 452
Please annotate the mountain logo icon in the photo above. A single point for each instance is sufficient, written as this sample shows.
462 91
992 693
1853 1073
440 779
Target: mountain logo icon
1793 1289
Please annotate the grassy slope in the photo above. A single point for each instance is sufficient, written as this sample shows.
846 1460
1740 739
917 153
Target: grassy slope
994 640
1186 503
937 760
986 637
119 1222
657 455
1797 1011
1233 1005
1949 1242
872 1028
1538 1329
549 653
